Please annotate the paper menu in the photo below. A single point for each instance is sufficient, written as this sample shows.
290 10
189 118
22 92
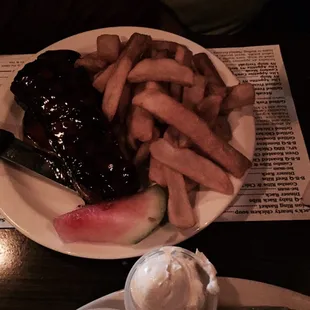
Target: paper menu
8 63
275 184
280 172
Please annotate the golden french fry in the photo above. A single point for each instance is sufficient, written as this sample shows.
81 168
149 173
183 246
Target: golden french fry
159 54
172 136
108 47
161 70
209 108
176 91
214 89
180 211
206 67
141 124
135 47
156 134
222 128
184 141
192 96
142 153
187 122
101 79
132 141
91 62
156 172
176 138
193 66
123 44
183 56
124 102
161 45
153 53
239 96
196 167
144 149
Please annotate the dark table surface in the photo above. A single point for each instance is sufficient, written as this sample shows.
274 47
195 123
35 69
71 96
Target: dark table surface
34 277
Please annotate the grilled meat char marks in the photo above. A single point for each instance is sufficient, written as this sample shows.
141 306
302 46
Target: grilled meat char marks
63 100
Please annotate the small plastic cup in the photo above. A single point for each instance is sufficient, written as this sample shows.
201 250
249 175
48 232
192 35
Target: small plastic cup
212 298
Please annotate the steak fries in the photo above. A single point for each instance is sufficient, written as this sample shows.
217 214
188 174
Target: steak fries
172 108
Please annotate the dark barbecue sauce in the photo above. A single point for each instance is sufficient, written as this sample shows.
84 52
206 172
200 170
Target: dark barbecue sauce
35 133
63 108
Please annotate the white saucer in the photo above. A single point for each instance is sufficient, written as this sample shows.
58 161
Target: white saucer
234 293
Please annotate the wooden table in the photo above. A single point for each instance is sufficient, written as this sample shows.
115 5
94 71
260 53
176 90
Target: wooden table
33 277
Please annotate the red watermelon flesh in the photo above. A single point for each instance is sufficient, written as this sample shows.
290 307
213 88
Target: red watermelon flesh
124 221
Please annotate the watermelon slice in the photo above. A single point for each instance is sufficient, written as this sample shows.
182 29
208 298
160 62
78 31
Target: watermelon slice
124 221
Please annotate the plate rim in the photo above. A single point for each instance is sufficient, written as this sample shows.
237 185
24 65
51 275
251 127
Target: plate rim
137 252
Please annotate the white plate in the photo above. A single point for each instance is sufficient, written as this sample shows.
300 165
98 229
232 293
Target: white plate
234 293
30 203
